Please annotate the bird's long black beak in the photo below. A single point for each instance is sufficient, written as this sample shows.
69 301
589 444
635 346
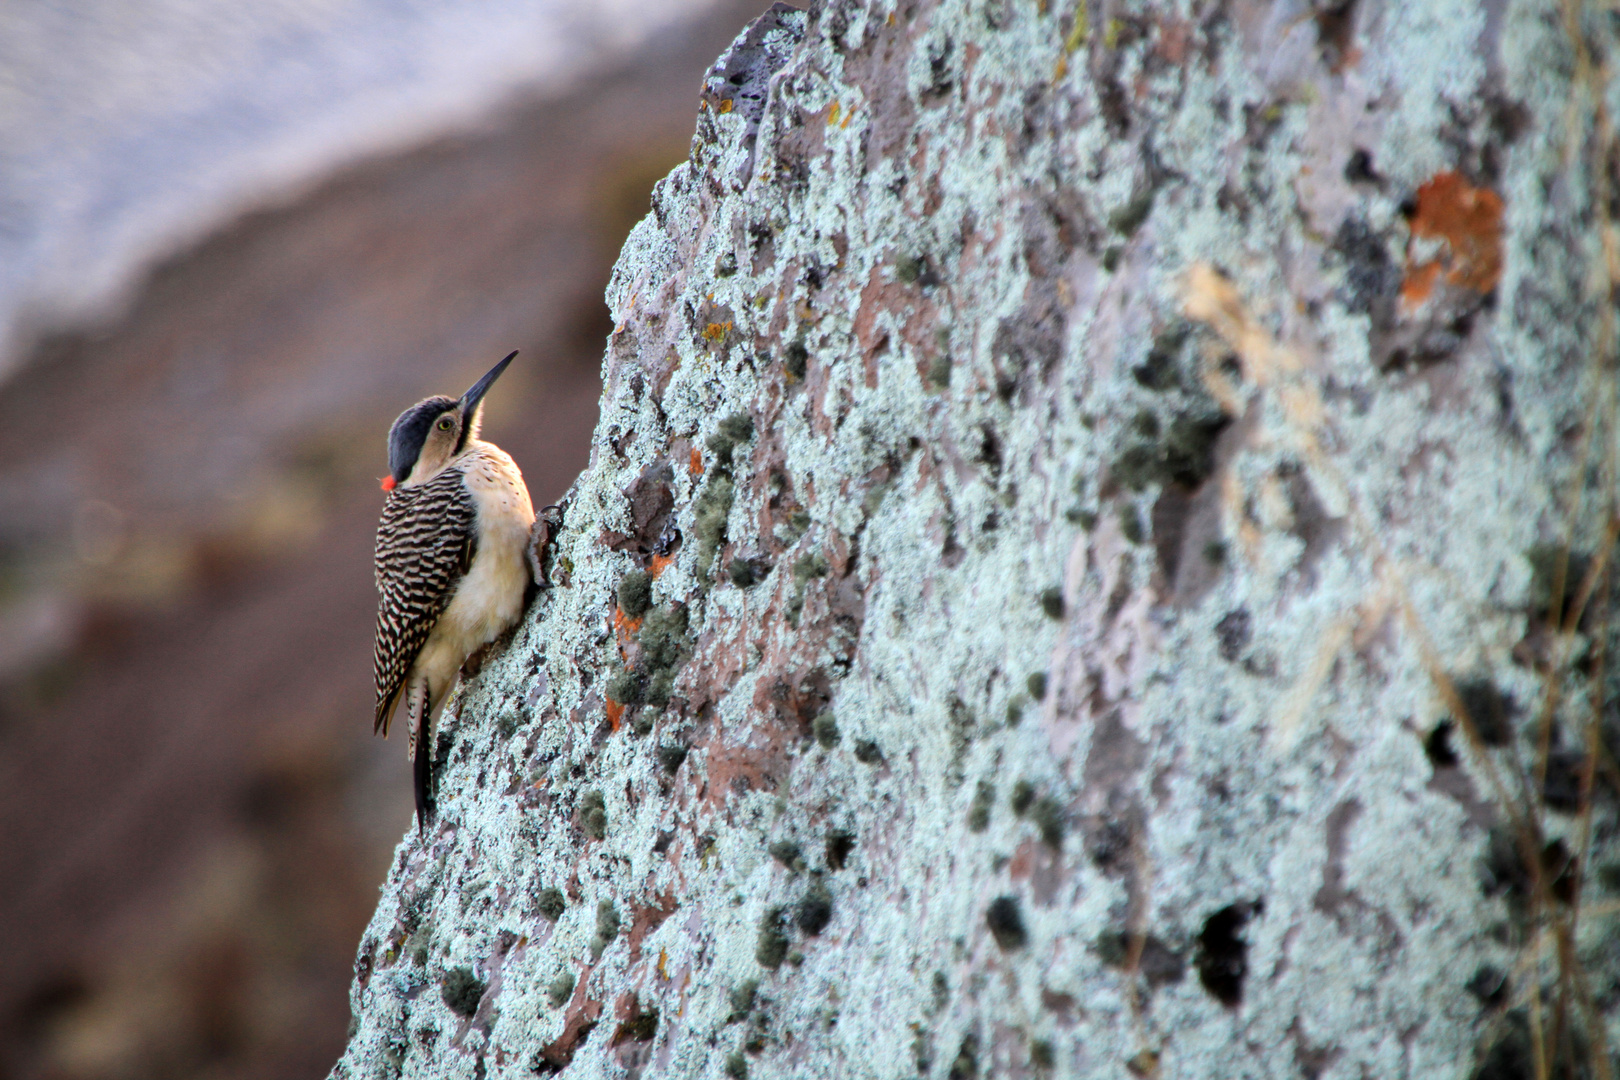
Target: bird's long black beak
470 400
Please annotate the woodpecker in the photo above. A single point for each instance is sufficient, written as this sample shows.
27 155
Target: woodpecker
451 568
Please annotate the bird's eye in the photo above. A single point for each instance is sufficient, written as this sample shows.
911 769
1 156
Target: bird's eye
446 424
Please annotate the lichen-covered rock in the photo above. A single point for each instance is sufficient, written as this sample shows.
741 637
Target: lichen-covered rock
1094 562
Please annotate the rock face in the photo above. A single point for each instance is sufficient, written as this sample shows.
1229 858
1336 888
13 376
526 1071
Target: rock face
1094 562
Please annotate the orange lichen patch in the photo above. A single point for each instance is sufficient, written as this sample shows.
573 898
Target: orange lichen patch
717 331
695 465
660 563
615 714
1419 283
725 107
624 624
832 114
1469 220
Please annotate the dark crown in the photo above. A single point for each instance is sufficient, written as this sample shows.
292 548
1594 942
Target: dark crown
410 431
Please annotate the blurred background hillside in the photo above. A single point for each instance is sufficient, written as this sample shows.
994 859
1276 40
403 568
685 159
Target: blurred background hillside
235 241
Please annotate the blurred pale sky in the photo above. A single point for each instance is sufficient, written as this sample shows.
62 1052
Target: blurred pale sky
128 129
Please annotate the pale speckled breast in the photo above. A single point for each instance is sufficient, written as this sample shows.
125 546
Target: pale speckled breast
489 598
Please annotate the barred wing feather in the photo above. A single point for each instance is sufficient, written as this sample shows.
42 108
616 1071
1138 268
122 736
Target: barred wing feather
425 543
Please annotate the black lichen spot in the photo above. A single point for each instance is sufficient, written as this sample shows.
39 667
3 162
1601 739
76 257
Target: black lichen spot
1223 955
1128 218
795 359
1015 709
1047 815
1560 869
551 903
1489 986
561 989
741 999
746 573
922 1050
1232 634
1006 922
840 844
965 1066
1561 787
1023 795
990 452
1371 278
788 854
639 1028
825 729
1504 872
814 910
593 815
1041 1054
671 755
942 994
736 1066
462 991
867 752
979 812
734 429
1183 454
1491 710
939 372
635 593
1158 372
1081 516
1359 169
1052 602
1556 576
1036 685
1130 524
772 946
1609 875
1517 1054
1437 747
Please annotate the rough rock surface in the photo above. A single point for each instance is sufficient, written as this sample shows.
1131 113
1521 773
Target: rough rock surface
1093 562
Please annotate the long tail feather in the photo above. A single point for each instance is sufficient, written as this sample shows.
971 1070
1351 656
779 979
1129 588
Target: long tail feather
422 757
